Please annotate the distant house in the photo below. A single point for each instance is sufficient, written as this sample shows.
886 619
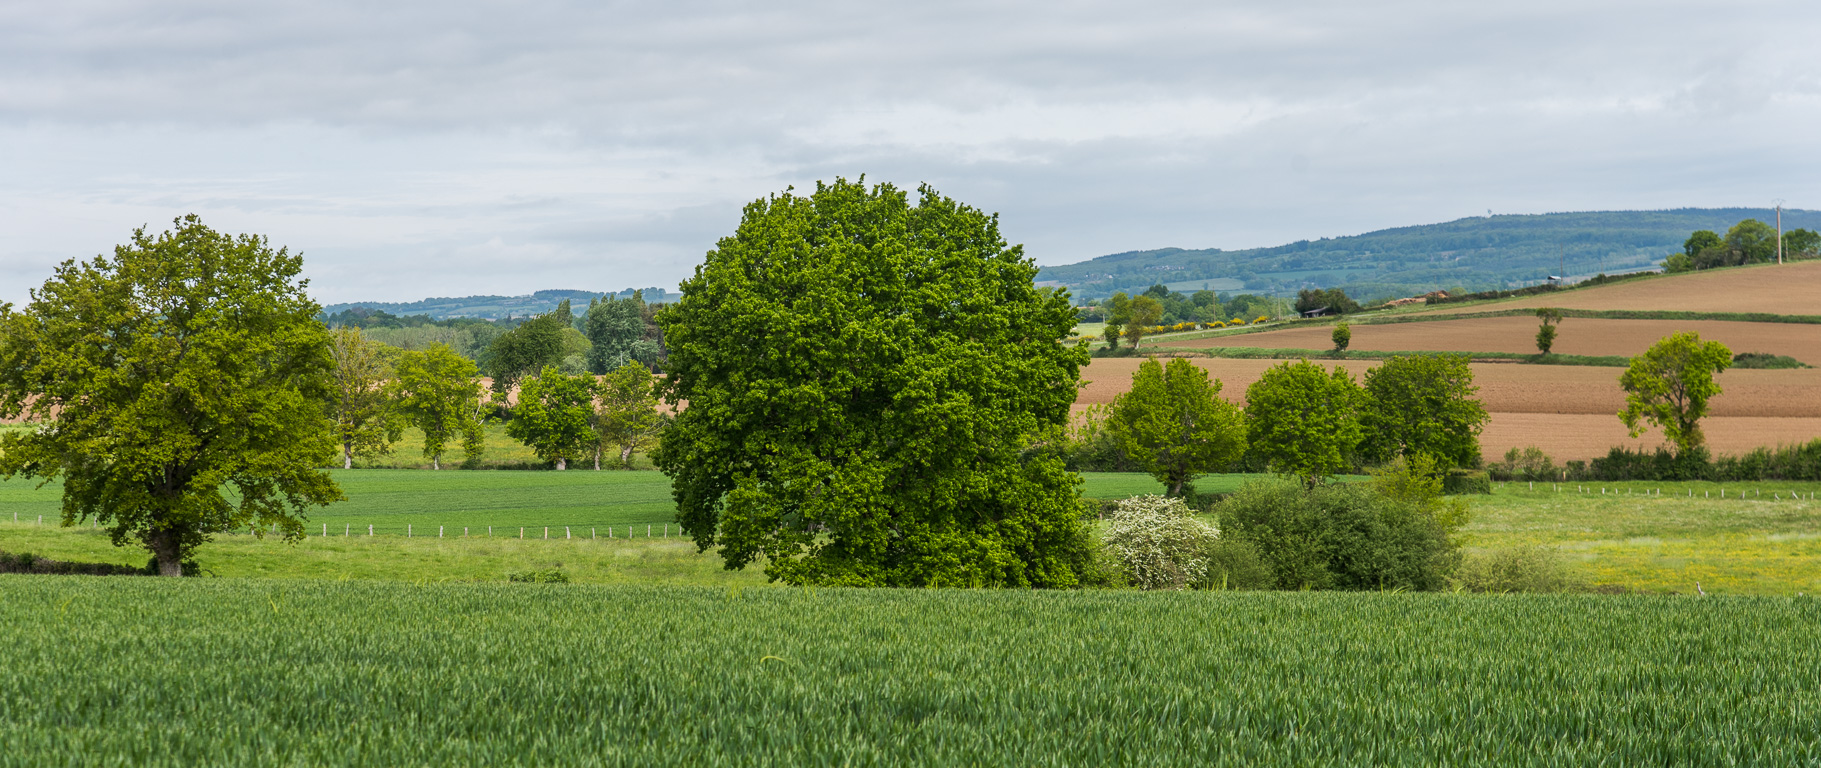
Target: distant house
1318 312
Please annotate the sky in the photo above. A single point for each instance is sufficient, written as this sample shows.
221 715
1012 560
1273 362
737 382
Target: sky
412 149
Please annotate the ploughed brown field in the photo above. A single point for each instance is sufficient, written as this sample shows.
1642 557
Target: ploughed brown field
1575 336
1779 289
1568 411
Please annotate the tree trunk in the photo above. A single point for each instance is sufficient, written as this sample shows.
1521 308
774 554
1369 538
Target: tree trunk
626 457
167 550
562 464
347 456
597 459
436 462
1176 490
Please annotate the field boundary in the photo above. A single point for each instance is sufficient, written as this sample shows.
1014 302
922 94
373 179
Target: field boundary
1291 353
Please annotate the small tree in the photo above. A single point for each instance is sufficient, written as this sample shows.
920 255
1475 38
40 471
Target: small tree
439 392
525 350
1342 337
1545 334
1144 313
627 418
361 403
553 415
1174 423
1119 313
1304 420
182 383
614 328
1669 386
1423 405
1159 543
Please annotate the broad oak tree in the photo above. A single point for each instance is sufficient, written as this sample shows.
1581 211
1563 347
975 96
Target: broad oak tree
439 392
179 384
555 415
1174 424
361 402
1423 405
1669 386
1304 420
865 378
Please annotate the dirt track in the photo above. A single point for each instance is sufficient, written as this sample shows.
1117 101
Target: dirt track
1569 411
1576 336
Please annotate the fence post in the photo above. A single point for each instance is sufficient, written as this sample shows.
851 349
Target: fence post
407 530
546 532
521 533
439 531
346 528
464 531
566 532
325 530
369 529
648 530
591 534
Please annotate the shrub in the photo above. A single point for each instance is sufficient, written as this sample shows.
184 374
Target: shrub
1765 360
26 562
1343 536
552 576
1622 463
1517 569
1161 545
1529 464
1463 481
1235 563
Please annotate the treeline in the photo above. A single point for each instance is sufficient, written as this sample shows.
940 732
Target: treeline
1789 462
1748 242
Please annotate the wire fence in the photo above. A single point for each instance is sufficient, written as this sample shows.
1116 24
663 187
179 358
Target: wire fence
569 532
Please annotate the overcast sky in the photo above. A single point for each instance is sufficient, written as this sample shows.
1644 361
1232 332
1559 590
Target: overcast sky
414 149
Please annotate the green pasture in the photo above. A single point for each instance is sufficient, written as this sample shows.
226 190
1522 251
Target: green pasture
151 672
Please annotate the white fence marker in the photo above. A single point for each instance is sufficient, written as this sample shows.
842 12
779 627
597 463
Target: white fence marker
546 532
521 532
439 531
369 529
407 530
566 532
648 530
325 530
464 531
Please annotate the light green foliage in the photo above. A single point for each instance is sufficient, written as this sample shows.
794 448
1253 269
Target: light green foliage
1342 337
528 674
439 392
183 378
627 419
1174 423
864 377
1669 386
1423 404
1530 465
1304 420
555 416
366 423
537 344
1159 543
1678 262
1801 243
1518 569
1144 312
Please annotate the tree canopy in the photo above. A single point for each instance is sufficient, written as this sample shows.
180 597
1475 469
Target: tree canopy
627 417
1304 420
1669 386
182 383
525 350
864 378
366 422
1423 405
555 416
1174 423
439 393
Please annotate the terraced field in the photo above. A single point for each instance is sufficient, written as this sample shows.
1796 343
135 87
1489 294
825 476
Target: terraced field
1778 289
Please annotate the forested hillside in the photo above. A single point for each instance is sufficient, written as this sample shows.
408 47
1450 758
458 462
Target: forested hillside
492 307
1477 254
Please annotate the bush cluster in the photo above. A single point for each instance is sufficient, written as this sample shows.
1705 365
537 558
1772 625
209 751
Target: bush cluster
26 562
552 576
1517 569
1349 537
1786 462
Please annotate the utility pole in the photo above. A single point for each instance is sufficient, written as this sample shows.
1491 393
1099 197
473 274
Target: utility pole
1779 231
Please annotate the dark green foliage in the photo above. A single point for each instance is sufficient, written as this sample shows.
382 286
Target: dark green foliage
523 351
1533 290
1334 300
621 331
1235 563
1342 536
1529 465
1622 463
1787 462
864 379
1423 404
26 562
555 416
1460 481
551 576
1765 360
183 379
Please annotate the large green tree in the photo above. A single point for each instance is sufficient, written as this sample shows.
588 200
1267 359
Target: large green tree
555 416
864 378
1142 313
1304 420
439 392
1423 405
180 382
523 351
626 418
1174 423
361 402
1669 386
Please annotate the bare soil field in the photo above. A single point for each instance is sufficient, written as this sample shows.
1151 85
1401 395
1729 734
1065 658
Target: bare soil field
1569 411
1782 289
1576 336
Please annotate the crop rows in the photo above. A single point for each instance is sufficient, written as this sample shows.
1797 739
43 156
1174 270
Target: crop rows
149 672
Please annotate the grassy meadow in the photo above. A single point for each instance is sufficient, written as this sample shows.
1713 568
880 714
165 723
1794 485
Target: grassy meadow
243 672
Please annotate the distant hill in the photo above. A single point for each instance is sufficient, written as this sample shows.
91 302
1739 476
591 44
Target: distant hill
1478 253
496 307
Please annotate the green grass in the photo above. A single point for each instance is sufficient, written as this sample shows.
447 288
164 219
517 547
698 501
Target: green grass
1760 544
107 671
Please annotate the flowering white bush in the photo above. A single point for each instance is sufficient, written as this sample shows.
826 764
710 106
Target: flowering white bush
1159 543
